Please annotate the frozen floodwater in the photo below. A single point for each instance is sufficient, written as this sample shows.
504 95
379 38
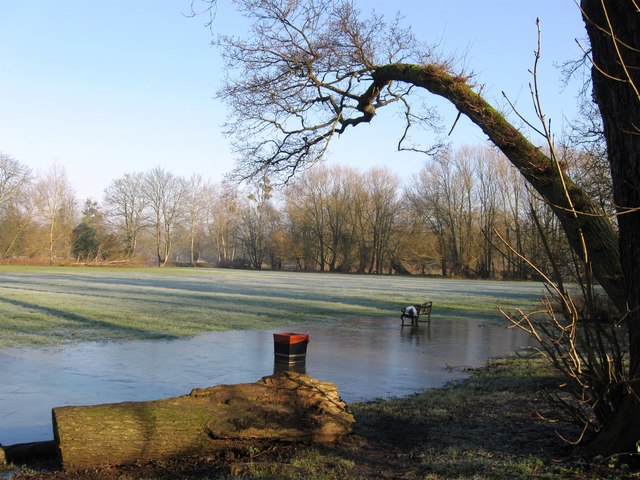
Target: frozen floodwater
366 358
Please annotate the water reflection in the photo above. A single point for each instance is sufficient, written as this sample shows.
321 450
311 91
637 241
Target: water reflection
289 367
366 358
415 334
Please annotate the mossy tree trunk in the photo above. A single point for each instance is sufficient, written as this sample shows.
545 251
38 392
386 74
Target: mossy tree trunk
613 27
588 225
287 407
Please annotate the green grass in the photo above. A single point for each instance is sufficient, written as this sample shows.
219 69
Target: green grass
54 305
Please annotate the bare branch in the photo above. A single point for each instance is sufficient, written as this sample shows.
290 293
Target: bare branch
305 74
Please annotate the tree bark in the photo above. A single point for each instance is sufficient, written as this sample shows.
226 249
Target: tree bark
288 407
613 27
600 237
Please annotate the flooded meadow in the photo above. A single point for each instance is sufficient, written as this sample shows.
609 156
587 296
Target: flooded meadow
78 337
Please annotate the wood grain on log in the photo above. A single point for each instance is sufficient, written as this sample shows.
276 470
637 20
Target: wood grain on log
288 406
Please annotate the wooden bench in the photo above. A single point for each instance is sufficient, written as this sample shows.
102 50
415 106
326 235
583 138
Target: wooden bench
421 311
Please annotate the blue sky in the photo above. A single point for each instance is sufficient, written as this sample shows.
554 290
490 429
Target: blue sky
108 87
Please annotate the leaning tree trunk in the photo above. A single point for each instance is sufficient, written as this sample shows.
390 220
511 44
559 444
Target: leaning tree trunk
591 235
581 219
287 407
614 31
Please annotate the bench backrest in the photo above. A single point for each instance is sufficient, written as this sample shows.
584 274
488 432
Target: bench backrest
425 307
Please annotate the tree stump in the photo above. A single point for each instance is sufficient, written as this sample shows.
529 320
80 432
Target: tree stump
288 406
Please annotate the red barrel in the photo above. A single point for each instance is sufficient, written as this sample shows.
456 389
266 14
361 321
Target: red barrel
290 347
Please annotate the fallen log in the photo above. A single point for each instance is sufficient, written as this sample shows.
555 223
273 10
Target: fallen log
285 407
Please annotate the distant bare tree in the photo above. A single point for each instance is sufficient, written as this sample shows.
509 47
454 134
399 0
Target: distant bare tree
197 195
164 193
320 207
383 214
14 176
255 221
307 200
16 203
56 206
126 204
488 203
221 222
513 196
443 194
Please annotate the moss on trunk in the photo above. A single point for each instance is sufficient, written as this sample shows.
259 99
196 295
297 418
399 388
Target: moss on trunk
284 407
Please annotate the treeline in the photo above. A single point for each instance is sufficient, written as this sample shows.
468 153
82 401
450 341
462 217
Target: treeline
467 213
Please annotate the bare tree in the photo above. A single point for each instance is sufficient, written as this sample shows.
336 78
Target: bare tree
488 208
321 205
16 203
513 194
126 204
195 203
256 218
13 177
417 247
307 200
221 221
164 193
443 194
382 186
56 206
339 191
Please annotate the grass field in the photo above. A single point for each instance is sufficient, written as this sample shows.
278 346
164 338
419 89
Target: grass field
54 305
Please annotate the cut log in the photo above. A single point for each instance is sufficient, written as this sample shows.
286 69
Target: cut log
287 406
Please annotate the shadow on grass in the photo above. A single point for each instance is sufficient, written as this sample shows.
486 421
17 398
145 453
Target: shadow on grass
185 289
84 322
261 303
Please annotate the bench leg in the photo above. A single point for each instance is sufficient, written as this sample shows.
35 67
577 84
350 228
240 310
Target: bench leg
414 320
